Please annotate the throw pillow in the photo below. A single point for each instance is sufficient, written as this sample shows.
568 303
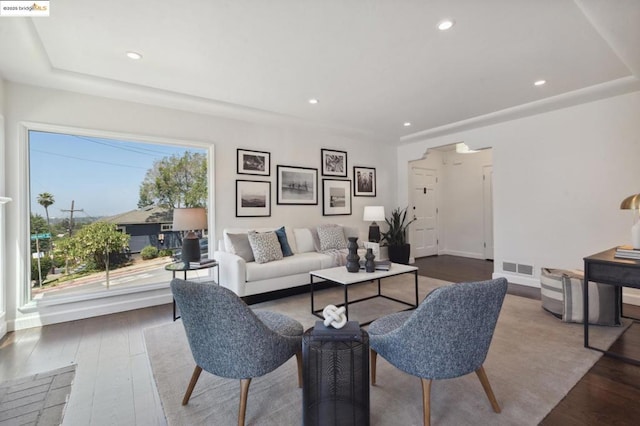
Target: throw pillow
604 301
303 240
284 242
265 246
331 237
240 246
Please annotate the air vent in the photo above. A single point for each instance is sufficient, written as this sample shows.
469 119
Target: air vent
509 267
525 269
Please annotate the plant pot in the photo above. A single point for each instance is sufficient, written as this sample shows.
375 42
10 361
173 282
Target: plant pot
400 254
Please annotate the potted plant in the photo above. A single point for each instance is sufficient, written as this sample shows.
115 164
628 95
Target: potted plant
396 236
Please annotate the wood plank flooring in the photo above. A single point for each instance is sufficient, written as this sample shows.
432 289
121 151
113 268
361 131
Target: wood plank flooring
114 384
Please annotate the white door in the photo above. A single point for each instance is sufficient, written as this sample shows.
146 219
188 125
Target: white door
487 198
424 231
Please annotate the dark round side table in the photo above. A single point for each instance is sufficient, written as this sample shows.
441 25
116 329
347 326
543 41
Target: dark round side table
335 376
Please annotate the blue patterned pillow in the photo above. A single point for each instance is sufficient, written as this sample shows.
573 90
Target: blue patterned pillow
284 243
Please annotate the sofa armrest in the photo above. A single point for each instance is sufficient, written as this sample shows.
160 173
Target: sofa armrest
233 271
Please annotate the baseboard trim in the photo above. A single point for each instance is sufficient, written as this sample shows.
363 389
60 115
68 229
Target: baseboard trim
518 279
462 254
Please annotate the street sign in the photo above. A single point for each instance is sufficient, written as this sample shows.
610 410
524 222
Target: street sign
40 236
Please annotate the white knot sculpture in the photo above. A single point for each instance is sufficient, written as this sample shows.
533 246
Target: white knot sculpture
334 317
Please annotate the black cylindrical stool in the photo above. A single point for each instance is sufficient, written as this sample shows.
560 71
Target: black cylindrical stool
335 376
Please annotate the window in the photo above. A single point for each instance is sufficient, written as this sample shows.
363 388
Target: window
100 212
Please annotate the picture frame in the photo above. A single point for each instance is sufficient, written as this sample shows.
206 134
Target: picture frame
336 197
253 198
253 162
334 163
364 181
297 185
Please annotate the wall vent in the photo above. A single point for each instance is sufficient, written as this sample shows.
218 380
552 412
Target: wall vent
525 269
509 267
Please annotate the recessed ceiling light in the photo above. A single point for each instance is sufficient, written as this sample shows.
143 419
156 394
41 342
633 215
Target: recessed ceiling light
406 124
540 82
313 101
134 55
445 24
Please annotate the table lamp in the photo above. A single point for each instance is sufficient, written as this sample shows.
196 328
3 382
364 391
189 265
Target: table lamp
373 213
190 219
632 202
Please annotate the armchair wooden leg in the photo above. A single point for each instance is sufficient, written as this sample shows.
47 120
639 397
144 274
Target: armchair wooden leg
487 389
426 401
192 384
299 362
374 359
244 391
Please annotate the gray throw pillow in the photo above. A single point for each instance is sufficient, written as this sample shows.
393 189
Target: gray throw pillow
240 246
265 246
331 237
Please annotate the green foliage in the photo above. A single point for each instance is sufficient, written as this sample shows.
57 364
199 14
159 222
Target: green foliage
45 200
165 252
38 225
175 182
149 252
396 235
45 267
96 240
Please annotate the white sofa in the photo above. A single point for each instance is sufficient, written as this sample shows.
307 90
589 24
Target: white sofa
251 278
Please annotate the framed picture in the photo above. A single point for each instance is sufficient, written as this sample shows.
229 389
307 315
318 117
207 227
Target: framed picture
364 181
336 197
254 163
253 198
297 185
334 163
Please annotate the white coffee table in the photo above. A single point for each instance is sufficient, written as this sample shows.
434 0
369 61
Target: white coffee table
340 275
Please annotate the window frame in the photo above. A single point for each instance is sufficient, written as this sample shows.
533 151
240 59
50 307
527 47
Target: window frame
25 303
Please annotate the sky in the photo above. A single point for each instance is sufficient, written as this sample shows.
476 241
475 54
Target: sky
102 176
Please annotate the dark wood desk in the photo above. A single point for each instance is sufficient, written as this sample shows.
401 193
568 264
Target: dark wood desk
605 268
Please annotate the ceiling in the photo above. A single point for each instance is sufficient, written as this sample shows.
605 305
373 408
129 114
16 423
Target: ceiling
373 65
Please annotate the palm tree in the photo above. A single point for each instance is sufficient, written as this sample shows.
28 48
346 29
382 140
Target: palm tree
45 200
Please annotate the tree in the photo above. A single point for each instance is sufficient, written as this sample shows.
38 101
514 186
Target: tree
94 242
39 226
45 200
175 182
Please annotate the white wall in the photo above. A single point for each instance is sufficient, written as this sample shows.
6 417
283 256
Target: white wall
558 180
289 145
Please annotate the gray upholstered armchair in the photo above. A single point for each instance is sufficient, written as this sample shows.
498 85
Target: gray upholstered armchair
447 336
230 340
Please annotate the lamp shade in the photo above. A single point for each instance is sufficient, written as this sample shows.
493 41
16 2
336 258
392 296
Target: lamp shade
632 202
189 219
373 213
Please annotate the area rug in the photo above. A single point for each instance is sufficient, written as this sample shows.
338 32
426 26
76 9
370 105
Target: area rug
39 399
533 362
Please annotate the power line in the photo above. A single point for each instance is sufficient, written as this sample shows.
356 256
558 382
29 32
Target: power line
91 161
112 144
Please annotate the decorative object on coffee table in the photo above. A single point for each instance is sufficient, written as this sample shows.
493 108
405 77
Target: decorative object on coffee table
353 259
369 265
396 236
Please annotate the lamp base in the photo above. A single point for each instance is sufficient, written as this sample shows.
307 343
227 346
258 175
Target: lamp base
374 233
190 250
635 235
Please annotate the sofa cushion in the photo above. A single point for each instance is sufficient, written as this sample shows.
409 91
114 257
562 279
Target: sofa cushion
265 246
304 240
284 242
239 245
301 263
331 237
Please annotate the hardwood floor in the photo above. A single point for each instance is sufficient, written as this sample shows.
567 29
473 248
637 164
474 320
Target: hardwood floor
114 384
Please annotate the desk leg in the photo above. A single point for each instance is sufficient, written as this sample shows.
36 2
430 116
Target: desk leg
585 301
